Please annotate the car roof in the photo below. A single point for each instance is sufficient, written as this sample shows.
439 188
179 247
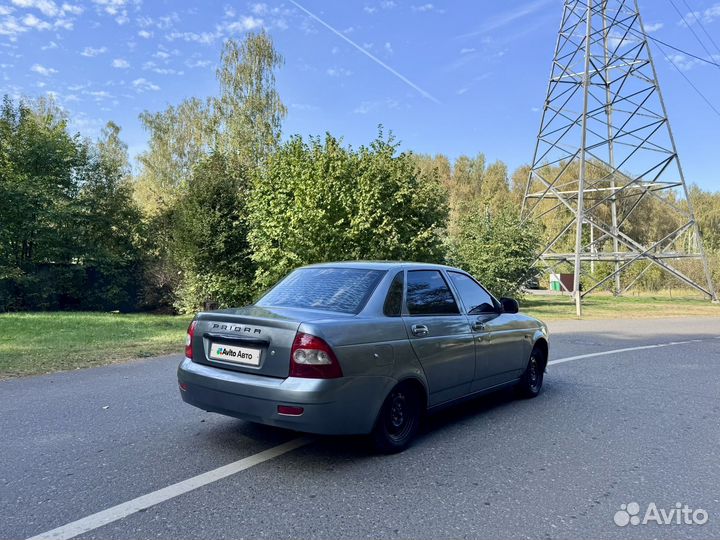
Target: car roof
380 265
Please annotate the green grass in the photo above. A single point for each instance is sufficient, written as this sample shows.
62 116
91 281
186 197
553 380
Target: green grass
605 306
33 343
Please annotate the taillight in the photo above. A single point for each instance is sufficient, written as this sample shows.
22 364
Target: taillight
312 358
189 339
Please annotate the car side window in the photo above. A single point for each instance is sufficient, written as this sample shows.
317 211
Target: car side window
393 300
429 294
476 299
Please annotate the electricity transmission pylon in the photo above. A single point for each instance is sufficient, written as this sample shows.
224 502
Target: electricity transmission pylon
605 177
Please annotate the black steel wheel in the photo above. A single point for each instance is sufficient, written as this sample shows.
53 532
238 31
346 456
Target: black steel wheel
398 421
532 380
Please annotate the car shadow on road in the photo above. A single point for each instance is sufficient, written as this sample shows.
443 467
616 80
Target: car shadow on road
434 425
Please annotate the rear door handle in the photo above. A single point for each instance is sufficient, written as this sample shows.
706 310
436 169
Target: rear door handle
419 330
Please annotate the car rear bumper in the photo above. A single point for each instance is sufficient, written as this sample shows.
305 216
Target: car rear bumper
342 406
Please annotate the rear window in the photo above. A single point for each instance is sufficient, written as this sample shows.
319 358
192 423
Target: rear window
345 290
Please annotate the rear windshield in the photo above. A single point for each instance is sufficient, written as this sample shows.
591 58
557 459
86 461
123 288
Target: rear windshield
344 290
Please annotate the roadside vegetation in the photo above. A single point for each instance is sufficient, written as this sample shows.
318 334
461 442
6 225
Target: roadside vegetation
219 207
645 305
35 343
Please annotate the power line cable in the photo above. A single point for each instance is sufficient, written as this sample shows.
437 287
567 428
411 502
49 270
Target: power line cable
701 25
697 90
700 41
691 55
645 35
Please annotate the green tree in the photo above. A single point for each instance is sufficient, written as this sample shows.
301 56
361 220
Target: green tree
210 242
67 218
107 225
38 186
249 110
495 247
180 137
320 201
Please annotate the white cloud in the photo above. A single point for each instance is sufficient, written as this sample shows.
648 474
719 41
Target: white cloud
369 10
166 71
204 38
163 55
388 47
145 34
684 63
98 94
426 8
46 7
338 72
142 85
653 27
72 9
9 26
5 10
387 4
198 63
115 8
42 70
304 107
91 51
120 63
706 16
466 50
259 8
245 24
31 21
51 45
366 107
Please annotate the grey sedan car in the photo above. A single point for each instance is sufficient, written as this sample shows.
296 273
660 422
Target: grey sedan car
361 348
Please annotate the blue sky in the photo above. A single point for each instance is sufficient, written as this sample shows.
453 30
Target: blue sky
456 77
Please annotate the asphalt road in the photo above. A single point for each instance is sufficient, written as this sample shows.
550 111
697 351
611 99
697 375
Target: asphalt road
636 426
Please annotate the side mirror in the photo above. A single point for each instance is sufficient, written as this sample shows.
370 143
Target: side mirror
509 305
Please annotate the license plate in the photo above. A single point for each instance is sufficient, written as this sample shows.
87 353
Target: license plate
232 353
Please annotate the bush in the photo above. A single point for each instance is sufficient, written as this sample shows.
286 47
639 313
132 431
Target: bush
318 201
496 248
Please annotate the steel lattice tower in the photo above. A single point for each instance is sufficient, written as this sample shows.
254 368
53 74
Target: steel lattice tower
605 151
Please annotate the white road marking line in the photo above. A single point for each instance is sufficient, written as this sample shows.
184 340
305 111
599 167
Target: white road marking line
125 509
627 349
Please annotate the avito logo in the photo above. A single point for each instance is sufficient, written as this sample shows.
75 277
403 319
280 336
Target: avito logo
681 514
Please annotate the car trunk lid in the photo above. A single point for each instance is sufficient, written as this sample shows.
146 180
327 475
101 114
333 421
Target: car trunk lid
251 339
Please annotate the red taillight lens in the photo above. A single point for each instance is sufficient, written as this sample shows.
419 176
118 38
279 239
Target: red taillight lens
189 340
312 358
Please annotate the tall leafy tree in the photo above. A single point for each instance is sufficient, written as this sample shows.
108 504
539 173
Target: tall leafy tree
494 246
180 137
210 241
249 109
319 201
39 186
107 223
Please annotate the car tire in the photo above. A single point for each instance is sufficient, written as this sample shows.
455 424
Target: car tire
398 420
532 380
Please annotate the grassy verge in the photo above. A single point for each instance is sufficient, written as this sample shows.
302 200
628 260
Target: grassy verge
33 343
605 306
